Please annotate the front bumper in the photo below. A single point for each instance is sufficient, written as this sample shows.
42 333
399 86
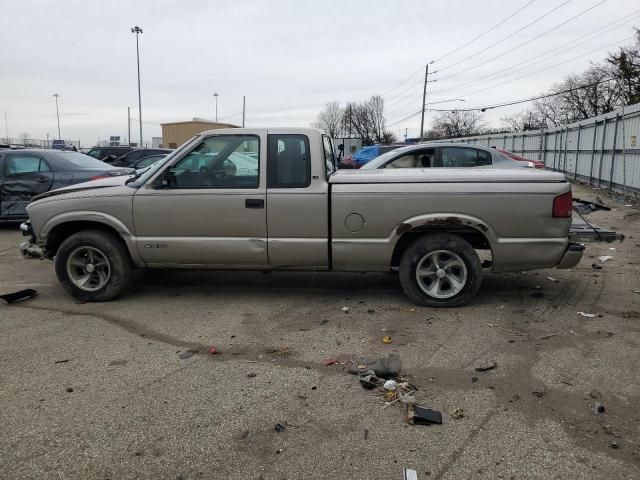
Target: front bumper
29 248
572 256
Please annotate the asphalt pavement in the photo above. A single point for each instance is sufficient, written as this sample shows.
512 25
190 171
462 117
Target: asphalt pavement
98 391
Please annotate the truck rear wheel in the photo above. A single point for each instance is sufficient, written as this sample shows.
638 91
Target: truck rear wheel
440 270
93 266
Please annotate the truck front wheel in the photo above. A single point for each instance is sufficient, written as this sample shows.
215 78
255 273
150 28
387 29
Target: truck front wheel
93 266
440 270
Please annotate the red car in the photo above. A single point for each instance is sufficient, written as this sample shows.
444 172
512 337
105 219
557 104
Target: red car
536 163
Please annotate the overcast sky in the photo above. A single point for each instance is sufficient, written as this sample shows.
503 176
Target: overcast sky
289 57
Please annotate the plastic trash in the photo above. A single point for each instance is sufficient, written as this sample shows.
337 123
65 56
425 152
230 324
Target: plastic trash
588 315
604 258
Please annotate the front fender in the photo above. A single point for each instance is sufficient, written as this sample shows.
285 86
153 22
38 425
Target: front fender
95 217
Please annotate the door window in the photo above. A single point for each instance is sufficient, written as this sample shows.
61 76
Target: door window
222 161
95 153
25 163
415 159
453 157
289 163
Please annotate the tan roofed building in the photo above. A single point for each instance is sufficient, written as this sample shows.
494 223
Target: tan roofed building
175 134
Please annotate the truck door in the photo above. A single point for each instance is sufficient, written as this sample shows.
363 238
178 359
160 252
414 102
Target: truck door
297 199
207 207
25 175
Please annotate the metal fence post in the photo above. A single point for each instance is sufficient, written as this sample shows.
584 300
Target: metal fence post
566 141
604 136
593 150
575 167
613 152
555 149
543 137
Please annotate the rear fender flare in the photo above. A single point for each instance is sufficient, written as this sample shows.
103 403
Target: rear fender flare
441 221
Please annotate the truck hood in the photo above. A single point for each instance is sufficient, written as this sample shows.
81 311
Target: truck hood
112 183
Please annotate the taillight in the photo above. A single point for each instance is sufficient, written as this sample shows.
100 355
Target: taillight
563 205
98 177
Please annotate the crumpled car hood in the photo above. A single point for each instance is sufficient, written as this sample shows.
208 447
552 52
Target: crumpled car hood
116 181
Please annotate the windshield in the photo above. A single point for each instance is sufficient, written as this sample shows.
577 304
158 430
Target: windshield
145 174
80 161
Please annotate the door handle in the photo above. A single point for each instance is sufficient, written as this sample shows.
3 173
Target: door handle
42 179
254 203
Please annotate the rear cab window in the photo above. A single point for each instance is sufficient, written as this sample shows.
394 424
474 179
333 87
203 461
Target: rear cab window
289 162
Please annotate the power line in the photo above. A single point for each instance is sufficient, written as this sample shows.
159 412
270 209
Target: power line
504 104
485 32
618 42
509 36
459 48
528 63
484 62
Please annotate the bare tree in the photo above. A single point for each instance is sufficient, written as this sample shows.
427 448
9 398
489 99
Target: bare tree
366 120
522 121
457 124
330 120
625 66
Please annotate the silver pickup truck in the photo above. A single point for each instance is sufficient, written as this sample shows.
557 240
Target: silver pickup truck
271 199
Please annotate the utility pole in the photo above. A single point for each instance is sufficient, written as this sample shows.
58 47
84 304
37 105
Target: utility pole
243 109
57 113
129 125
137 30
424 99
215 95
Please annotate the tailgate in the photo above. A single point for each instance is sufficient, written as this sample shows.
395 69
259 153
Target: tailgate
583 232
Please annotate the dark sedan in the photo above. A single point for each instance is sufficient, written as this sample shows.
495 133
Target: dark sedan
30 172
130 159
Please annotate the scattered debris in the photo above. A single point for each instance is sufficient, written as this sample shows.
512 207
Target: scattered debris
612 248
614 445
366 433
598 408
244 434
69 389
251 375
417 415
604 258
279 351
636 290
595 394
409 474
486 366
574 333
544 337
387 339
213 350
19 295
62 361
186 353
324 322
552 279
539 393
457 413
370 311
588 315
384 367
280 428
345 309
279 451
595 266
537 294
505 329
329 361
369 381
412 309
390 390
474 379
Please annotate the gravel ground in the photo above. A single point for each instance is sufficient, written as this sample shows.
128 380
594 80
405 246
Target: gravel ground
136 410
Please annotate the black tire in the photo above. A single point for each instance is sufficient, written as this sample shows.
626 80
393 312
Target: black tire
431 243
112 248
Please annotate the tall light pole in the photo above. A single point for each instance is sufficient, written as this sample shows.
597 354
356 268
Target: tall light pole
215 95
137 30
57 114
